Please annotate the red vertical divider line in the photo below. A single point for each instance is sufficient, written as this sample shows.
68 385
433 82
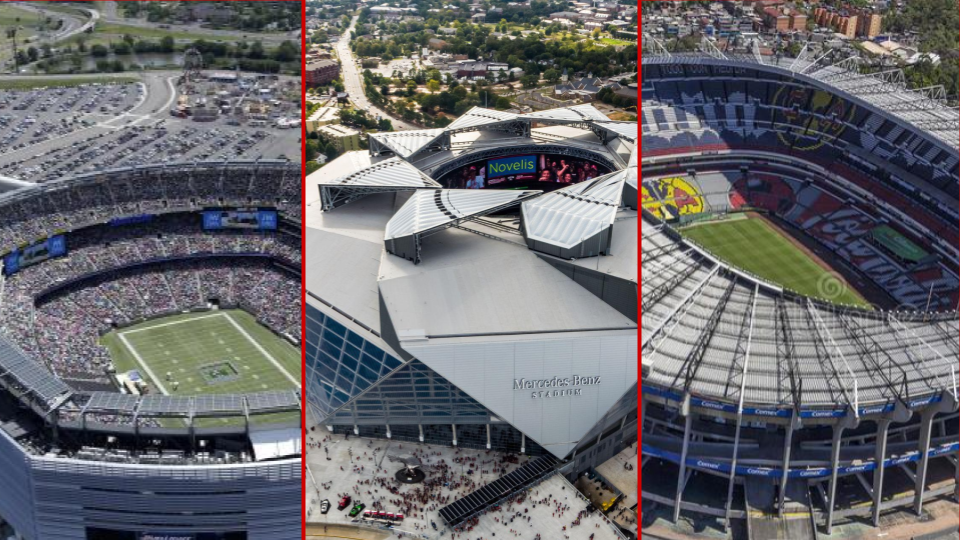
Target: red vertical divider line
639 144
303 270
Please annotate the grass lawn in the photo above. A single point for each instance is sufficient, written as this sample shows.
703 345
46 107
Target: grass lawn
753 245
616 42
217 352
11 15
157 33
23 83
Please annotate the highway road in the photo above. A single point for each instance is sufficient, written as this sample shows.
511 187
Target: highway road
353 83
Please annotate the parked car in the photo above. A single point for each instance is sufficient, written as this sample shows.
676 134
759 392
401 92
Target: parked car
324 506
357 509
344 502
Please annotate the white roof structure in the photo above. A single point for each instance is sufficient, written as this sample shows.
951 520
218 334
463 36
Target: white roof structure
575 113
626 130
392 172
567 217
428 210
479 116
390 175
406 143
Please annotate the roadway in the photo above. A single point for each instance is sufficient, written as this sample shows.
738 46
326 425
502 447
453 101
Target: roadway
353 82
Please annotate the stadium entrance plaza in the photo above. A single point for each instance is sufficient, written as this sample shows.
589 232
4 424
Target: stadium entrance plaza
338 464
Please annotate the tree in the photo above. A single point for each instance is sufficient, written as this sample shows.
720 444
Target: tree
33 54
551 75
529 81
167 44
503 103
433 85
98 51
411 87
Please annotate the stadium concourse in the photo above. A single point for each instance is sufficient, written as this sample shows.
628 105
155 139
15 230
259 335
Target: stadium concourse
498 320
810 417
84 256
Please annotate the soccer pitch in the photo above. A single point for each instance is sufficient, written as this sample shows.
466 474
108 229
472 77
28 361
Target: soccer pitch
214 352
753 245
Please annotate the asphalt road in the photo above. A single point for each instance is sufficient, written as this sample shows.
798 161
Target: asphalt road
353 84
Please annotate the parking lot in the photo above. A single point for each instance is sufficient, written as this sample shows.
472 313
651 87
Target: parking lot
48 133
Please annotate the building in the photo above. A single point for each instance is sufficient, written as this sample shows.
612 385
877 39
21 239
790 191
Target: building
542 359
850 23
345 139
321 72
321 117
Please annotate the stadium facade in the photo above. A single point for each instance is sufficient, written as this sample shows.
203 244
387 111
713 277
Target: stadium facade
483 318
82 461
789 405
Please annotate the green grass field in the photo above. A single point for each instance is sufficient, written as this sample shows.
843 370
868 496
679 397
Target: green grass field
753 245
218 352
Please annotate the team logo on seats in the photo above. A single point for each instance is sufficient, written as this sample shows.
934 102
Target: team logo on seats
818 116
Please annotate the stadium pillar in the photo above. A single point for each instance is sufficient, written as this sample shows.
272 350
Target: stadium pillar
733 470
948 403
523 443
420 427
389 435
850 421
787 447
683 465
883 426
488 436
900 414
454 428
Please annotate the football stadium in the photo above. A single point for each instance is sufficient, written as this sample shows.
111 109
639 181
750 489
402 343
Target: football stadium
471 294
149 354
800 294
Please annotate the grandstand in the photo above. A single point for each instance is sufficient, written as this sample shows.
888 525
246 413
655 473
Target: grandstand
109 254
811 416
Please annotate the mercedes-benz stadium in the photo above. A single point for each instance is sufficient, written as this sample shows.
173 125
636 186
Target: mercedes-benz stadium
108 277
498 312
770 408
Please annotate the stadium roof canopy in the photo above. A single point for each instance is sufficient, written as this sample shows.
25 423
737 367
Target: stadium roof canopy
30 375
404 143
390 175
430 211
566 221
478 116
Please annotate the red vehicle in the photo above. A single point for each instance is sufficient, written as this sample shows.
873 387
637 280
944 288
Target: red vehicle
398 517
344 502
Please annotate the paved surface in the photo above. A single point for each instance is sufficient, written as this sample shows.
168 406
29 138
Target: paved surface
362 468
56 139
353 82
621 471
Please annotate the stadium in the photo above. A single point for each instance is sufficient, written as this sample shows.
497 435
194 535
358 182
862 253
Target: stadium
475 287
800 293
149 354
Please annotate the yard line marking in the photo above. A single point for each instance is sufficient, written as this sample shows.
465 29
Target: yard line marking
161 325
263 351
139 359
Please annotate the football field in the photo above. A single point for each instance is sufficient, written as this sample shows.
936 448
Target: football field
215 352
754 245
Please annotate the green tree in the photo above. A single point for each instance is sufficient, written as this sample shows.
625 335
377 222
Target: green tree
433 86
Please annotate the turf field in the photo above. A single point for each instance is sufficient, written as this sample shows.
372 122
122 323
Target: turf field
754 245
217 352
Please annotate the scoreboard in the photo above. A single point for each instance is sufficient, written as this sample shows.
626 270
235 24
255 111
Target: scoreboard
24 256
264 219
